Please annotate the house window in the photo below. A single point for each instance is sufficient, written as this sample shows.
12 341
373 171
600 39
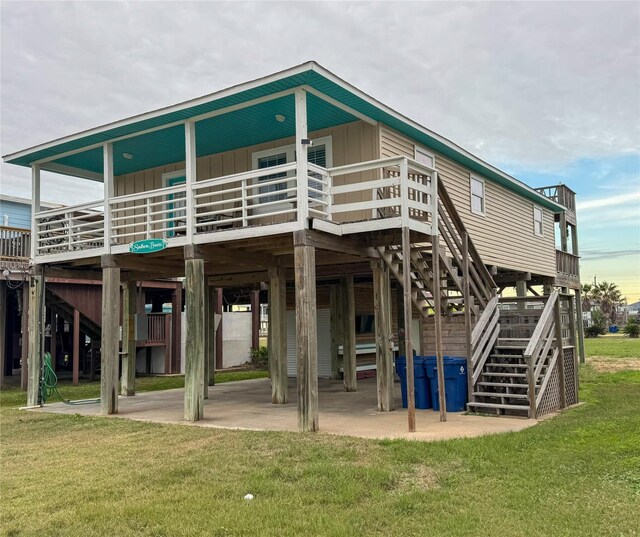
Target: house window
319 153
422 156
537 221
477 196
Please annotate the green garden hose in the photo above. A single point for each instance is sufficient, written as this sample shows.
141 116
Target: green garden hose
49 385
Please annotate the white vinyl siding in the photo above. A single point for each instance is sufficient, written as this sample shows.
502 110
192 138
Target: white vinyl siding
477 196
538 224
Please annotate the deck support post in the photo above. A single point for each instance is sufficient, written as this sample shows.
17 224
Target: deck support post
3 324
109 192
349 334
220 327
437 303
384 354
278 335
302 167
408 327
129 310
194 371
560 359
306 333
176 328
521 290
210 354
110 343
255 319
580 324
335 314
467 313
24 338
75 357
36 336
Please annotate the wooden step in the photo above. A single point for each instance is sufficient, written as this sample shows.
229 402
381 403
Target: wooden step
501 384
508 375
498 405
511 366
505 356
501 395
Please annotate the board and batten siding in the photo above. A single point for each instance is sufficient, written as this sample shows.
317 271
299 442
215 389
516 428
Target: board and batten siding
351 143
504 235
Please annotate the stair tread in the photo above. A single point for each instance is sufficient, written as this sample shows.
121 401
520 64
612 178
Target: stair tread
505 356
499 374
501 395
498 405
500 384
494 364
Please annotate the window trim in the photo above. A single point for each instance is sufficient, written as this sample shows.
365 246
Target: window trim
473 178
535 230
290 150
419 149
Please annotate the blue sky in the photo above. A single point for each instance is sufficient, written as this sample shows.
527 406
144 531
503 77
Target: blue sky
608 211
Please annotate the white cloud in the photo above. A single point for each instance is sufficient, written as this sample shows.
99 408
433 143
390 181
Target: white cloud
538 84
617 200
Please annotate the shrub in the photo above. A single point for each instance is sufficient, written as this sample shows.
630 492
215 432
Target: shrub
260 357
632 328
598 324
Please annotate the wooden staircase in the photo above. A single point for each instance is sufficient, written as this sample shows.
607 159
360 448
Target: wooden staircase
513 377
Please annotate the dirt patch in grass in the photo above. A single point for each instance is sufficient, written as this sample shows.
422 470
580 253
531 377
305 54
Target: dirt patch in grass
604 364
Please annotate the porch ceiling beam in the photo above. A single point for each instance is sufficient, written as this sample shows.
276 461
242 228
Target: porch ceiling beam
72 171
340 105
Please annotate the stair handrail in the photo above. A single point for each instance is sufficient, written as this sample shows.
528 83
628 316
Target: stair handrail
483 338
447 203
537 350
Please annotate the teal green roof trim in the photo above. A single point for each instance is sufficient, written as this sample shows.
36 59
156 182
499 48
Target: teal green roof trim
229 131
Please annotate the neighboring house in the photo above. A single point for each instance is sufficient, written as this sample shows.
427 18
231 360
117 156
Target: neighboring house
340 204
73 310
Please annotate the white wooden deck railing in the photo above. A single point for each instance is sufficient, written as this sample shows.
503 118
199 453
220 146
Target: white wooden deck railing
70 229
390 192
14 243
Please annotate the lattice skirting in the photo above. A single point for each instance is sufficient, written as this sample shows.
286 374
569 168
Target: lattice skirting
570 376
551 398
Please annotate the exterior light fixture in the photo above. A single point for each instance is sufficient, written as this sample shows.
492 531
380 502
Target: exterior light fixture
128 156
280 118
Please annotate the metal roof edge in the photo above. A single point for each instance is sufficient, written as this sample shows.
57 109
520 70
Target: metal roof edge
532 193
237 88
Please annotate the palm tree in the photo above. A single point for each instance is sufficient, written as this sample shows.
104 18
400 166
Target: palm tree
586 296
610 298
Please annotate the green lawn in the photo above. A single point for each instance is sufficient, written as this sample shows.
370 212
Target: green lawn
613 346
576 474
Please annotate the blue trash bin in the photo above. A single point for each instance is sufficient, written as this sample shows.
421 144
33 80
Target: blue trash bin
420 381
455 382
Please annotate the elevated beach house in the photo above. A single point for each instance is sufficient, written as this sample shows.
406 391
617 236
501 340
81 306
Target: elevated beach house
342 206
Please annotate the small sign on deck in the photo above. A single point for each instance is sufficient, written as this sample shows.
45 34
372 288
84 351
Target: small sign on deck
147 246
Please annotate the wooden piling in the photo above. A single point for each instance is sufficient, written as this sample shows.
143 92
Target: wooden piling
384 353
349 334
110 342
306 336
278 335
194 354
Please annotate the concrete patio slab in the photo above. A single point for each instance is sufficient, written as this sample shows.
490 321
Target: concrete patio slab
247 405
